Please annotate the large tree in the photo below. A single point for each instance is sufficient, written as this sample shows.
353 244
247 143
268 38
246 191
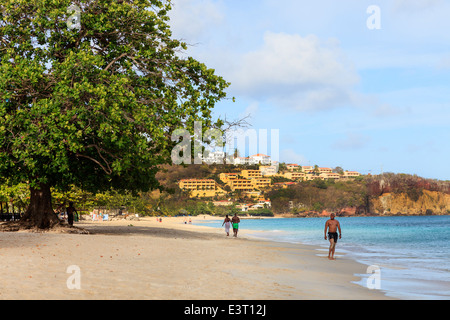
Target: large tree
90 92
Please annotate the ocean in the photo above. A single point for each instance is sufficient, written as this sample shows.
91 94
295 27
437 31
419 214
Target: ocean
408 254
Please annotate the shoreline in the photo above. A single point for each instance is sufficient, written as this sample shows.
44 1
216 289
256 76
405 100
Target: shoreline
170 260
401 278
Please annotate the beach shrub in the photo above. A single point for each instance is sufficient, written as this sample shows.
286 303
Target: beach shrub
262 212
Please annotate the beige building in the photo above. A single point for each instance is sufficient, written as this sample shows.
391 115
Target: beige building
225 177
351 174
251 174
268 170
330 175
292 166
201 187
252 194
294 175
223 203
261 183
241 184
307 169
310 176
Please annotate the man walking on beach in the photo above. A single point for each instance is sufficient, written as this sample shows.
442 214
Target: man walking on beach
332 225
235 222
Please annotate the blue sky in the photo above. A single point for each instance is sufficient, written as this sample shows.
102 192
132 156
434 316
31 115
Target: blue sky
340 93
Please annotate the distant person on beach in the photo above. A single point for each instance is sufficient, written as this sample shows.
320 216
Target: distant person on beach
70 212
227 223
235 222
60 211
332 225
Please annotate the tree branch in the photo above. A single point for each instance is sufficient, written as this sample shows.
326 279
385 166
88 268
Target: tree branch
115 60
108 170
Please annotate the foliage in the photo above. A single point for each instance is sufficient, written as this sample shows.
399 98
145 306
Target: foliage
277 179
317 195
17 195
413 185
261 212
94 107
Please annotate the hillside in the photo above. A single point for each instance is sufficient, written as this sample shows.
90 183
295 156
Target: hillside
427 203
387 194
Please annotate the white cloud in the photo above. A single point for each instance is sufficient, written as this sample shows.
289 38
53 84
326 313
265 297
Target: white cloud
192 19
299 72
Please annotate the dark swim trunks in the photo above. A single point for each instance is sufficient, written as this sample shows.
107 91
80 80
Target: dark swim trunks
333 235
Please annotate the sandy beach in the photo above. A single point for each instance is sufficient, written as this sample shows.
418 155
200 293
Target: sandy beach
169 260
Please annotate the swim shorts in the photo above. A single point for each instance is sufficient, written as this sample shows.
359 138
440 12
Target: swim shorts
235 225
333 235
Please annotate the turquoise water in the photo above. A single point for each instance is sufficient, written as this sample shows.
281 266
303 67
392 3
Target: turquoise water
412 252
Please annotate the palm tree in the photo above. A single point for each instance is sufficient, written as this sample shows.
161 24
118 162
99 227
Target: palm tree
316 170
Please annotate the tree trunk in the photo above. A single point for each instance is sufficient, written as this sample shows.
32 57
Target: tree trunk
40 212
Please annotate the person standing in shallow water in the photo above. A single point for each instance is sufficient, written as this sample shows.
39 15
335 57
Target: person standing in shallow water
332 225
70 212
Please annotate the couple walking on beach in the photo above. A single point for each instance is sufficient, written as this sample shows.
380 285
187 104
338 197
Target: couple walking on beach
332 226
231 222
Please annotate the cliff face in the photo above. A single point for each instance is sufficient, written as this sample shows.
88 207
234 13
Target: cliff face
428 202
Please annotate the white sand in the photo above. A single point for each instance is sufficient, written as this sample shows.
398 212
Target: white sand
169 261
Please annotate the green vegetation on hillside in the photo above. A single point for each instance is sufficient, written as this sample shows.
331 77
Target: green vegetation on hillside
300 198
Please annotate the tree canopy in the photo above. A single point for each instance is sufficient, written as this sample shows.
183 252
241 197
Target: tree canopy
95 106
